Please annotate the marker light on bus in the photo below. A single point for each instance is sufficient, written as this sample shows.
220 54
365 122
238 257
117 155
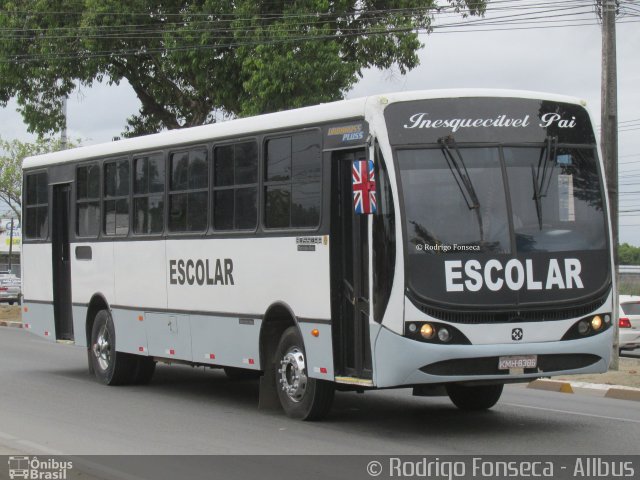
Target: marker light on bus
583 327
315 332
427 331
444 335
596 322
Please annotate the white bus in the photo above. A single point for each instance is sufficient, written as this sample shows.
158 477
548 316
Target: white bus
448 241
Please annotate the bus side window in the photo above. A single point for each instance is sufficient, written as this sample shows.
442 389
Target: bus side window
116 197
293 181
235 186
188 191
88 200
384 241
148 194
37 206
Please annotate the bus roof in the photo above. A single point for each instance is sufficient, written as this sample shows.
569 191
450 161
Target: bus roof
326 112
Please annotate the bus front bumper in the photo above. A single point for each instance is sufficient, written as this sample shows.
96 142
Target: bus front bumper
399 361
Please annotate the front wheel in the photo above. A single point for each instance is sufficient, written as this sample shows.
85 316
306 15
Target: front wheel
473 398
110 366
301 397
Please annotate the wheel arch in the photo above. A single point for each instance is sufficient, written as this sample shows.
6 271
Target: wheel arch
98 302
278 317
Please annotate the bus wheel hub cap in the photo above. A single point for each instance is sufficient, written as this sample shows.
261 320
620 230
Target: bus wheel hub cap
293 374
102 348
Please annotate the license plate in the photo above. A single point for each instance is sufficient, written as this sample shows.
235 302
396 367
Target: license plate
517 361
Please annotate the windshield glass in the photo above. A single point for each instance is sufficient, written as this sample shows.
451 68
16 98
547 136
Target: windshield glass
433 198
531 203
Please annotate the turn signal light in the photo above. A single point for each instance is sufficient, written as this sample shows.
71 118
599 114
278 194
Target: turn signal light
624 322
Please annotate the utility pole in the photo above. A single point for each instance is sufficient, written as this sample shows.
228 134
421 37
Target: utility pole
11 248
63 134
609 140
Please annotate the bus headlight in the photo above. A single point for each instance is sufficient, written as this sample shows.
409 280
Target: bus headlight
596 322
427 331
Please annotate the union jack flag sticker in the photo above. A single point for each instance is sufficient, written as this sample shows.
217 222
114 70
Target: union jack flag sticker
364 187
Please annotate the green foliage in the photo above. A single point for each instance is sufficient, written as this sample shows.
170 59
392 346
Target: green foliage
628 254
187 60
12 153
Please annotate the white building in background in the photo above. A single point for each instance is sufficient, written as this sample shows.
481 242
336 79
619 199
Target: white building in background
6 247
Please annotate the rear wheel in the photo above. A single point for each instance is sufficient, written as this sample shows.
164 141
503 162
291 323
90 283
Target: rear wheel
300 396
479 397
110 366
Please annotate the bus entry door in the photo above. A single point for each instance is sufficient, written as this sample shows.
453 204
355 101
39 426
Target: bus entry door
61 262
350 272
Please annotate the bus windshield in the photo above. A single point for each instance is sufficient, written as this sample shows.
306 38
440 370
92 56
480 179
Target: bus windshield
531 202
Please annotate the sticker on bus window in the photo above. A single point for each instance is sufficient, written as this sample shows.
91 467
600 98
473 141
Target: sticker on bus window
566 203
564 159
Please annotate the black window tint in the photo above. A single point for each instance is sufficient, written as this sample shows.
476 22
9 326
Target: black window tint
198 169
235 174
277 206
246 163
88 219
305 204
278 164
223 209
223 166
246 211
116 194
307 166
36 206
148 190
88 200
189 193
293 176
179 171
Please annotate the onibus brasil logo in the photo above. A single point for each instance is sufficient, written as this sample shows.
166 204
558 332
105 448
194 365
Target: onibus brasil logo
35 469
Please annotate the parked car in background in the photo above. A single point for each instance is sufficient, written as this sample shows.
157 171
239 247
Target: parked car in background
10 288
629 322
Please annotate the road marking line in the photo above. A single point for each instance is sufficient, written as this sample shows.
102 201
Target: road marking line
572 413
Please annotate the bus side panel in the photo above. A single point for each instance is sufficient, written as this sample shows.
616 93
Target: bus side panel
92 275
227 341
38 318
36 268
168 335
37 290
319 350
140 274
246 276
131 334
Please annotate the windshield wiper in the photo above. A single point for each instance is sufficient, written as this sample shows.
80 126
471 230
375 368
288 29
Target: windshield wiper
461 176
542 176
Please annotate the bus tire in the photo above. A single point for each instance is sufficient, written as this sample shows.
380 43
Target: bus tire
143 372
234 373
301 397
110 366
474 398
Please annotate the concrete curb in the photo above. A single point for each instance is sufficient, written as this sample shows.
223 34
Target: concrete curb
609 391
8 323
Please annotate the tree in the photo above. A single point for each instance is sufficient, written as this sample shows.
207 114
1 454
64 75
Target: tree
628 254
12 153
188 59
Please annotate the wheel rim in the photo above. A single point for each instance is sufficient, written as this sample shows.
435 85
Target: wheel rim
293 374
102 348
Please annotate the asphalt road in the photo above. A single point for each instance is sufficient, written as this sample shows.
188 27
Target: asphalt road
50 405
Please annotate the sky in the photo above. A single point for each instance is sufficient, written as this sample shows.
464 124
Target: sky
564 60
